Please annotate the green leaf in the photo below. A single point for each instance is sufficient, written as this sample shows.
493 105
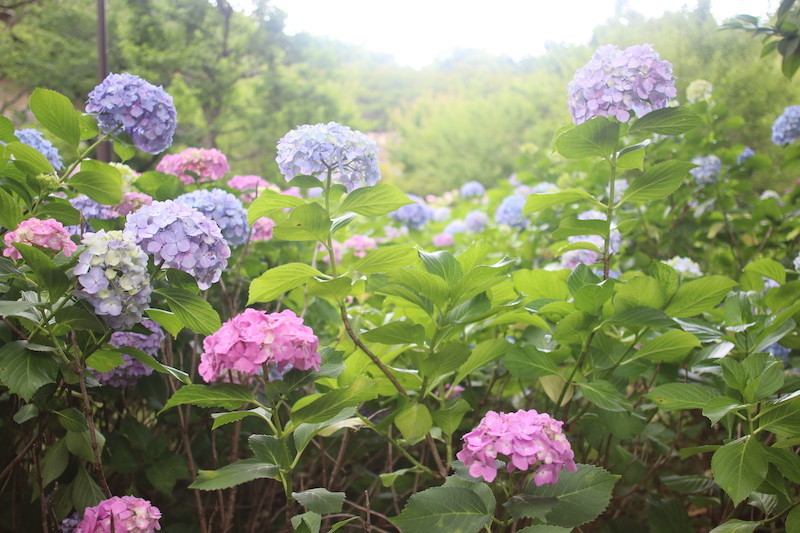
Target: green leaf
375 201
269 449
267 202
104 360
163 474
308 522
667 121
220 419
52 278
7 130
530 506
320 500
276 281
123 150
657 182
99 181
580 278
699 296
641 291
195 313
399 332
672 396
414 422
305 432
151 362
234 474
539 202
719 406
31 158
483 354
385 259
527 362
642 317
25 413
307 222
79 318
452 509
226 395
572 226
24 371
596 137
604 395
581 495
80 443
58 209
737 526
449 419
88 127
55 461
330 404
632 156
782 418
10 211
72 420
16 308
670 347
55 112
543 528
166 320
768 268
159 185
442 264
85 491
739 467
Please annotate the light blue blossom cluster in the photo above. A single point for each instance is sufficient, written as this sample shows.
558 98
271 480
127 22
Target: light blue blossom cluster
112 273
224 209
144 111
456 226
707 170
415 215
132 369
779 351
616 83
476 221
787 126
510 212
89 209
440 214
351 156
472 188
746 154
35 139
180 237
685 266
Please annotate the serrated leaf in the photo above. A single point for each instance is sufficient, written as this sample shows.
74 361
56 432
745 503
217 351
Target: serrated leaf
375 201
308 222
768 268
220 419
604 395
225 395
539 202
385 259
670 347
483 354
719 406
276 281
667 121
739 467
24 371
195 313
31 158
672 396
657 182
414 422
99 181
450 509
71 419
642 317
10 211
268 202
85 491
150 361
166 320
399 332
56 458
736 526
53 279
320 500
597 137
330 404
234 474
698 296
55 112
527 362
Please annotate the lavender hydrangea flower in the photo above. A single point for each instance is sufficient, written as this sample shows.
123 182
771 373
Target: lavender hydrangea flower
315 149
180 237
69 524
132 369
796 263
139 108
787 127
224 209
456 226
112 273
510 212
616 83
440 214
35 139
707 170
746 154
415 215
476 220
472 188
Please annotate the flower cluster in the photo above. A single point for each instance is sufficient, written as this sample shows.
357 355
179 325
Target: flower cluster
746 154
443 239
472 188
526 437
316 149
360 244
48 233
415 215
440 214
132 369
262 229
253 338
180 237
616 83
455 227
476 220
128 103
251 185
131 201
685 266
91 209
510 212
127 174
112 272
707 170
699 91
195 165
69 524
224 209
787 126
35 139
128 514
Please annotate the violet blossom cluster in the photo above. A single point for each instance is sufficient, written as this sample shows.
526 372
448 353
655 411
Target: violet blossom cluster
195 165
224 209
179 236
472 188
360 244
112 273
573 258
262 229
35 139
786 127
128 514
510 212
707 170
616 83
124 102
413 216
70 523
253 338
350 156
527 438
131 201
476 220
129 372
456 226
47 233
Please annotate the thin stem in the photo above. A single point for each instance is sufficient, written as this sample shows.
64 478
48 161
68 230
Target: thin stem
396 444
609 214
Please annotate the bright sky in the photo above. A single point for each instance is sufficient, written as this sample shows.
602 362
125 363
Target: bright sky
416 32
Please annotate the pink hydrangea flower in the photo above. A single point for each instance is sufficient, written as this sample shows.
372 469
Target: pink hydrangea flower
360 244
252 185
253 338
207 164
131 515
131 201
262 229
444 239
527 438
48 233
338 252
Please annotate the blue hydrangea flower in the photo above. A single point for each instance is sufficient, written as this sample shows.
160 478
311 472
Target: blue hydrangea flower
224 209
476 221
112 273
351 156
181 237
35 139
415 215
510 212
456 226
779 351
440 214
139 108
707 171
472 188
787 127
132 369
746 154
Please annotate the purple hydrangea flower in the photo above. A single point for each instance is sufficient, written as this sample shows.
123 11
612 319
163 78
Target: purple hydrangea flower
89 209
787 127
476 221
224 209
440 214
573 258
472 188
129 514
746 154
112 273
35 139
139 108
456 226
315 149
181 237
132 369
617 83
69 524
707 170
510 212
415 215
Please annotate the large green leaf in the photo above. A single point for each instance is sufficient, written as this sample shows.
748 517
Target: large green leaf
328 405
414 421
226 395
604 395
596 137
667 121
442 264
782 418
195 313
698 296
24 371
527 362
320 500
657 182
31 158
768 268
539 202
739 467
451 509
375 201
275 281
234 474
52 278
10 211
268 202
483 354
672 396
55 112
386 258
398 332
669 347
99 181
307 222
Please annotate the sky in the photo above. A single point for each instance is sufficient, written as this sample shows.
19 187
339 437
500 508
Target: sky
417 32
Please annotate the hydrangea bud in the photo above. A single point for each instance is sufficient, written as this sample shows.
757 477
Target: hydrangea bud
787 126
224 209
35 139
203 164
130 515
132 369
415 215
510 212
47 233
707 170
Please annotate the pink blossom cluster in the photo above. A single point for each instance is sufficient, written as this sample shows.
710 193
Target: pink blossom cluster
131 201
253 338
130 515
206 164
526 437
360 244
338 252
262 229
251 185
48 233
443 239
